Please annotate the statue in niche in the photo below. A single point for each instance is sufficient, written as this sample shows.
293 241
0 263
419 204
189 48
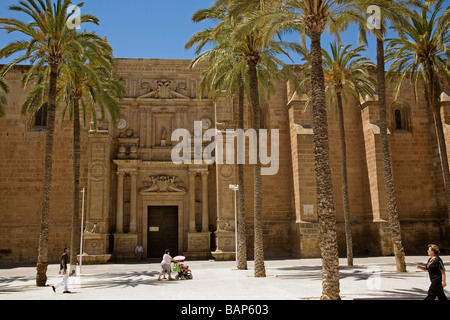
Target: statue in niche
94 228
223 225
163 183
163 137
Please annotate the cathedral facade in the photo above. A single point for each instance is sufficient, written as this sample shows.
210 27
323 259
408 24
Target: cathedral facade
135 193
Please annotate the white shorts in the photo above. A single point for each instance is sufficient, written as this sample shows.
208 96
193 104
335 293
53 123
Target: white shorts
165 268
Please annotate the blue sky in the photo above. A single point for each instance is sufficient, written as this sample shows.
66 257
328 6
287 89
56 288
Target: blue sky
151 29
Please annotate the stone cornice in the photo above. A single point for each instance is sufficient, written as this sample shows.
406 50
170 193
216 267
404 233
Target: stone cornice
156 65
143 102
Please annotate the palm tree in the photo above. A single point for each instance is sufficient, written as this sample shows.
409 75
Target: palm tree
50 39
256 46
86 84
395 12
251 48
394 222
223 74
422 53
245 61
4 89
346 72
311 17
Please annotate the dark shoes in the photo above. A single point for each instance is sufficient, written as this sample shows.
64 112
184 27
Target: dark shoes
54 290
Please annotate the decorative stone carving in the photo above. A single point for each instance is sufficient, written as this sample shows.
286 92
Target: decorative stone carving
199 245
128 145
225 125
122 123
224 225
163 183
163 91
163 137
93 229
206 123
100 127
145 85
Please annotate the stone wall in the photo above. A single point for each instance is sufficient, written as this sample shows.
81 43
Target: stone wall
22 148
289 197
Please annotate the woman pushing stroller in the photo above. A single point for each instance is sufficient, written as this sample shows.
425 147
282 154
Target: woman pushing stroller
166 265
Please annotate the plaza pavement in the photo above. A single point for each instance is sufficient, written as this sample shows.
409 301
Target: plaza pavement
371 278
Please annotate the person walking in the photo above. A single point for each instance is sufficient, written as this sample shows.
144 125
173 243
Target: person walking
436 271
166 265
139 251
63 268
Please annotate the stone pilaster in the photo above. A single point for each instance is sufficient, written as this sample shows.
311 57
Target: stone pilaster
133 205
199 243
126 235
97 226
205 212
192 201
119 211
225 175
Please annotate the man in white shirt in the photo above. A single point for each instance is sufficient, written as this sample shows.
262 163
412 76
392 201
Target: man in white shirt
139 251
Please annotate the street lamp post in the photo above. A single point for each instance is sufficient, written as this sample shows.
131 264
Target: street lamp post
235 188
82 222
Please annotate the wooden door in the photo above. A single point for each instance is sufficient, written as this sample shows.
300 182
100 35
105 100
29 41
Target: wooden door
162 231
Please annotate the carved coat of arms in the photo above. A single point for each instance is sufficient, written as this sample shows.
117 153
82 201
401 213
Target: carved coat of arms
163 183
163 91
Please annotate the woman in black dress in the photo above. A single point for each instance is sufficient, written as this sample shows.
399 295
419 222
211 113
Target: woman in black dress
436 271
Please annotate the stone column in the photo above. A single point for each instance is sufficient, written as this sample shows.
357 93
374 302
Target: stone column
119 216
205 213
192 201
96 246
225 172
133 206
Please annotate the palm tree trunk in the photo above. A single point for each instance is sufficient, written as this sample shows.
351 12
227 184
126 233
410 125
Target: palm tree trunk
260 270
347 222
242 239
42 261
75 237
394 222
325 205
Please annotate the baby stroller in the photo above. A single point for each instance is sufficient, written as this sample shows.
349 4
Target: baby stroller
182 270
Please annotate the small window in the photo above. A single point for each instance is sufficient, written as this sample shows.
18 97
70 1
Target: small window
40 120
401 117
398 120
